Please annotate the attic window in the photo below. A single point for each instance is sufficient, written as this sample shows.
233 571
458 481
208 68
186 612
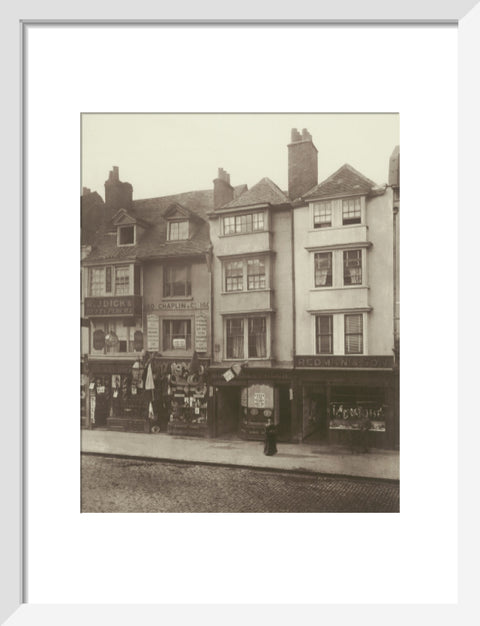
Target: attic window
126 235
178 230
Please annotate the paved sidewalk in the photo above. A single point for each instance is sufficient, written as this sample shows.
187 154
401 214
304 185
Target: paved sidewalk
294 457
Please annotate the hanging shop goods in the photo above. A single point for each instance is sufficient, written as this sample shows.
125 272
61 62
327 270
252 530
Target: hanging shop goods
187 399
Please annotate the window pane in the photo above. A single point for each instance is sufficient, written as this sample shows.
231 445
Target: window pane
258 221
256 274
122 276
322 215
323 269
234 276
97 281
257 337
126 235
178 230
235 338
324 326
177 334
353 334
352 267
351 211
177 281
228 225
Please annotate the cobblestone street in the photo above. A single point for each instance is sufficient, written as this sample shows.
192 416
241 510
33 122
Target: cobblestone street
132 485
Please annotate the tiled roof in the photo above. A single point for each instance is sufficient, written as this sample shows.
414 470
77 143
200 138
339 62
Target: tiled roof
264 192
152 242
346 181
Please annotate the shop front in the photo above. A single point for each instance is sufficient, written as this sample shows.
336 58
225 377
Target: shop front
149 394
348 401
244 401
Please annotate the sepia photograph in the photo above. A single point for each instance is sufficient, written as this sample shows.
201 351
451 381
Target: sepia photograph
240 312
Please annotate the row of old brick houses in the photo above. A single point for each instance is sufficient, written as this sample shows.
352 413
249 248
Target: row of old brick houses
207 312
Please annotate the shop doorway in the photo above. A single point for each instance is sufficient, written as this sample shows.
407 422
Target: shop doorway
315 419
228 410
285 412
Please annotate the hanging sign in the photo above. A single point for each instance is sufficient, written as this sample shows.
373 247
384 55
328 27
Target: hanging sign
201 333
98 340
153 333
138 340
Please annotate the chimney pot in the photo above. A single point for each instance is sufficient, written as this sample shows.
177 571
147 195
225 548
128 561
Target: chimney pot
302 164
222 190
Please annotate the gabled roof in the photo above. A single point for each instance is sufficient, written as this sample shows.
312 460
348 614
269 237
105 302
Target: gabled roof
124 218
346 181
264 192
176 211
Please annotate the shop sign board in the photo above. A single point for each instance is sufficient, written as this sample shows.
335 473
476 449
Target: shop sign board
260 397
113 306
182 305
179 344
153 333
361 361
200 333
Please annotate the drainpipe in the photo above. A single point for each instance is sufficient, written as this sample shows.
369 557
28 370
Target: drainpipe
293 406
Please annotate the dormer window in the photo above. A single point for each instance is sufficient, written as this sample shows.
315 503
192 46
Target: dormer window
177 230
126 235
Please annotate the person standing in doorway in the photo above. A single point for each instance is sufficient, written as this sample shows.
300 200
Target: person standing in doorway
270 447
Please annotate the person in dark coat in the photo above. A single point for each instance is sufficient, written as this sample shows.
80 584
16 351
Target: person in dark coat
270 447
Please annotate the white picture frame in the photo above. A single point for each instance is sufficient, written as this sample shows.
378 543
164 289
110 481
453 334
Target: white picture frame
16 19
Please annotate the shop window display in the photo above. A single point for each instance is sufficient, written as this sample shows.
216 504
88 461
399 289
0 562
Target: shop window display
187 398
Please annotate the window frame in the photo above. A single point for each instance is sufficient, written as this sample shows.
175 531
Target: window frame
187 335
318 206
351 217
109 280
347 277
178 223
319 334
119 235
360 334
245 282
246 322
250 219
167 269
329 254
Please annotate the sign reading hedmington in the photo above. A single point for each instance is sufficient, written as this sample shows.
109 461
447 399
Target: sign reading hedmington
362 361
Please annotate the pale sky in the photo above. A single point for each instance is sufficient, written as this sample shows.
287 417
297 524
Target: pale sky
167 153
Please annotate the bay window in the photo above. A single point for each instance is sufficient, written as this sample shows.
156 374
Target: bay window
110 280
245 223
242 274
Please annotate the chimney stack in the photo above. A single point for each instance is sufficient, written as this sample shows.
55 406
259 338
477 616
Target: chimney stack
118 195
302 164
222 190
